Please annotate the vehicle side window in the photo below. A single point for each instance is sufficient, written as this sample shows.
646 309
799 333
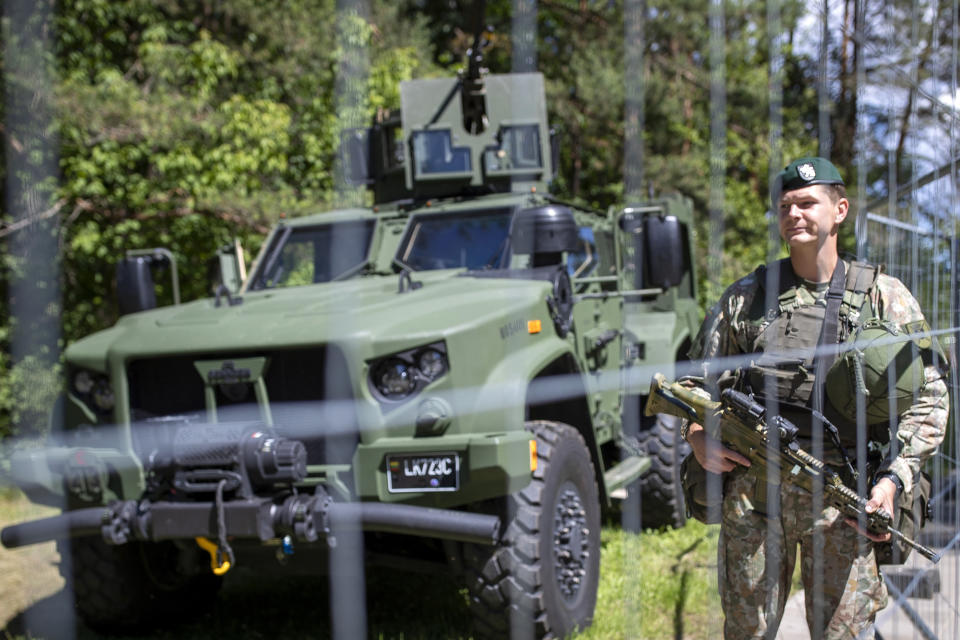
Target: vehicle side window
307 255
298 264
518 149
606 252
434 152
585 260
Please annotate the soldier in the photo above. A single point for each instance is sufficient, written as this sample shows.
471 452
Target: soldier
773 339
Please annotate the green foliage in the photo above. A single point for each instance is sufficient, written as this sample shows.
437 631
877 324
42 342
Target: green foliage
585 56
185 125
30 387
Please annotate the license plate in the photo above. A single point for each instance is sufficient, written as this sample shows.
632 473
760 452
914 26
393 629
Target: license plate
423 472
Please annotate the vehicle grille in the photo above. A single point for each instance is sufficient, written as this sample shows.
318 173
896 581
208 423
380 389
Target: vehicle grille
309 391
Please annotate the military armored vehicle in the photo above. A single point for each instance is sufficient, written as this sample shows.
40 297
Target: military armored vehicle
454 374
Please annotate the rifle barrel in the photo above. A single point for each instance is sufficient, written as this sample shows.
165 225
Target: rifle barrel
923 550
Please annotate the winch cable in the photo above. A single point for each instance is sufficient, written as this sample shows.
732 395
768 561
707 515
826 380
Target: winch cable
223 546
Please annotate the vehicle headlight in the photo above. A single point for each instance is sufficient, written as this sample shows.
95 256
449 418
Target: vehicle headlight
432 363
94 389
400 375
83 382
103 396
395 379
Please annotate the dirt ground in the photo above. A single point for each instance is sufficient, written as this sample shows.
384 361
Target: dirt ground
28 575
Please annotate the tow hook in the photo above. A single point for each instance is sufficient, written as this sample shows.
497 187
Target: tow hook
218 563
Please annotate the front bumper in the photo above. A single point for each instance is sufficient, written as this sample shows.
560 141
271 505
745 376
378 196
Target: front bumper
491 465
304 518
302 507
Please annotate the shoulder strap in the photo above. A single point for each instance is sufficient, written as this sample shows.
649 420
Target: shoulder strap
831 318
827 355
827 344
861 278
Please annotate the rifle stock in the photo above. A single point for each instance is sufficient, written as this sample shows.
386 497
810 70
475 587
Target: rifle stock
676 400
741 424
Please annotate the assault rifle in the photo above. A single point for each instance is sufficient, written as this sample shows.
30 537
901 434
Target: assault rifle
741 424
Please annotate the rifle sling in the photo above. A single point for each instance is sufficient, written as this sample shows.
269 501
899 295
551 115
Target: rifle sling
826 355
827 344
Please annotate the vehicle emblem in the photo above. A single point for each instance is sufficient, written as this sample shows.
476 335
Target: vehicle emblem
806 171
228 373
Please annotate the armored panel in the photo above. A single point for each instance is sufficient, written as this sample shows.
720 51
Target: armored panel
446 152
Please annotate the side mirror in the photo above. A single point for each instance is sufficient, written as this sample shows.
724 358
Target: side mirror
232 267
135 289
135 286
664 249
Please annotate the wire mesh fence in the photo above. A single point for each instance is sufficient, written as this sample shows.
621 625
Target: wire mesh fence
884 77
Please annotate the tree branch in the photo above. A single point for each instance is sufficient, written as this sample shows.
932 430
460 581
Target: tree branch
7 229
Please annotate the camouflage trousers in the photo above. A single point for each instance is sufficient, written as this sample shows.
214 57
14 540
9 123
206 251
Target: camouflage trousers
757 557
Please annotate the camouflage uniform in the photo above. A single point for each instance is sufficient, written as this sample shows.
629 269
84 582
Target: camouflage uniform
757 553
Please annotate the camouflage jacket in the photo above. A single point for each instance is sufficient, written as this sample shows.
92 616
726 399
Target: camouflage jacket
724 337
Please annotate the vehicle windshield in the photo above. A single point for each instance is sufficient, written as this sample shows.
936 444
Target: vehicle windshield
464 239
307 255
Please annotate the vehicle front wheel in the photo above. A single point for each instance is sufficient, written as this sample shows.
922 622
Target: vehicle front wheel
130 586
541 580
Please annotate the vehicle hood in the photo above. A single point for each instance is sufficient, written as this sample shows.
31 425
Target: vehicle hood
370 310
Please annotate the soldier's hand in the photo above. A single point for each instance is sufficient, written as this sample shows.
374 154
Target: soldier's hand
881 497
711 454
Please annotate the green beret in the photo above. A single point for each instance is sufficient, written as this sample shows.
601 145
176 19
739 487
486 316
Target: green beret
804 172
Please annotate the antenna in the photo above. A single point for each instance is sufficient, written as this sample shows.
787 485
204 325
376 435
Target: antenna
473 93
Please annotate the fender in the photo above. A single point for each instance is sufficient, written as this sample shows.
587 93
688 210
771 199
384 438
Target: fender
505 388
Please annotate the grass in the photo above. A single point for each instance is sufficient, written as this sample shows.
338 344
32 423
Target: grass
25 574
658 585
15 506
653 585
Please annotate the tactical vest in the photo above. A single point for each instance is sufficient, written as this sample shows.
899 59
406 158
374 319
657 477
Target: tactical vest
785 336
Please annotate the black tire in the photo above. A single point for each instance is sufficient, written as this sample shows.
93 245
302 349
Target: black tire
661 502
541 580
126 587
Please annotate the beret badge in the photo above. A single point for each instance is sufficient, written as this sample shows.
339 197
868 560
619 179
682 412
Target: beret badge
806 171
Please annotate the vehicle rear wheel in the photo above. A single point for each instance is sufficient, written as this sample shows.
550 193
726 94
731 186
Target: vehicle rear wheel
662 502
541 580
128 586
